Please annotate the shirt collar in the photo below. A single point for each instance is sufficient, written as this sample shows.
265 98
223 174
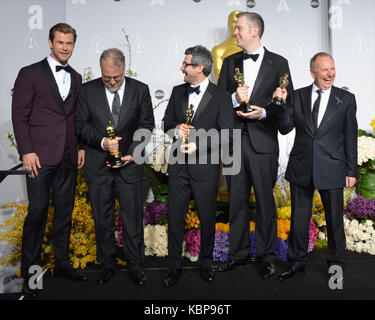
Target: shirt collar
259 51
315 88
119 90
203 85
53 63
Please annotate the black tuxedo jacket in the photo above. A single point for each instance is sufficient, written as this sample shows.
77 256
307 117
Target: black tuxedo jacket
92 116
262 133
43 123
329 154
215 111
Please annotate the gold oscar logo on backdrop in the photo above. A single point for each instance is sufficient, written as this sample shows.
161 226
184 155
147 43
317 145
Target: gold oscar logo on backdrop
227 47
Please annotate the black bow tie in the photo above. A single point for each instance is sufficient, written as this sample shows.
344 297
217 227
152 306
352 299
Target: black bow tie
194 89
252 56
66 68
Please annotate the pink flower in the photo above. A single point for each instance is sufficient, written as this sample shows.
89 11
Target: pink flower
313 235
193 242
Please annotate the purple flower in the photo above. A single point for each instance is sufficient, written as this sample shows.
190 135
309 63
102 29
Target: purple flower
221 248
154 213
360 208
281 249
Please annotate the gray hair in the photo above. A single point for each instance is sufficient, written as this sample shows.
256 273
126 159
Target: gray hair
254 20
315 57
114 57
201 56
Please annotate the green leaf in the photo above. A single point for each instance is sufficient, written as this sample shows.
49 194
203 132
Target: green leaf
366 187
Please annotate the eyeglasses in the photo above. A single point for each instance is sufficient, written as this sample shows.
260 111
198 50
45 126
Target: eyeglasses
108 78
184 64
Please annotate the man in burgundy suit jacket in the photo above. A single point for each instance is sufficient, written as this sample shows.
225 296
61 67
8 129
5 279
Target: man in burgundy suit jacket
44 101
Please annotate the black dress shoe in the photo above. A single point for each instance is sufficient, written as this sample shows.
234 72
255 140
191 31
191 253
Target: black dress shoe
171 277
138 277
292 273
267 270
227 266
104 275
70 273
207 274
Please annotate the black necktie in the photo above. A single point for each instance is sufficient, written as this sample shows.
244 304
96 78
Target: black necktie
116 106
194 89
252 56
315 110
66 68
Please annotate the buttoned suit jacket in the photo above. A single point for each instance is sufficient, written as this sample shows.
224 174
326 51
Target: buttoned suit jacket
92 116
262 133
214 112
328 154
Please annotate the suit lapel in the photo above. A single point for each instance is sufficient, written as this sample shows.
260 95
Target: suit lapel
52 84
238 62
333 102
74 92
102 103
126 100
184 100
203 103
306 108
265 66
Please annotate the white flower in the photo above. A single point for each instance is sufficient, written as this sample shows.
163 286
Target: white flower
354 223
321 235
369 223
156 240
366 149
358 247
371 249
365 247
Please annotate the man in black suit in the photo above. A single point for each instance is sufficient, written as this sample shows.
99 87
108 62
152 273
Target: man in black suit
262 70
127 103
190 176
324 157
43 105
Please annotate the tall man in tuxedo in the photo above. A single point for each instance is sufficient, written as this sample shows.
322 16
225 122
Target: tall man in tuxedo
190 177
44 101
127 103
324 157
262 70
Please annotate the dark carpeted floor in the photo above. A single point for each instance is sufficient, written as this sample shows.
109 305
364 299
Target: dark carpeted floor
243 283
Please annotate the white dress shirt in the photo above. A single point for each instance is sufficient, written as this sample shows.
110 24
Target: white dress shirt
250 72
323 101
110 95
194 98
62 77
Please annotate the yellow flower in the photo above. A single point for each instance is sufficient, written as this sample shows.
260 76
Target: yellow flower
222 227
252 226
373 124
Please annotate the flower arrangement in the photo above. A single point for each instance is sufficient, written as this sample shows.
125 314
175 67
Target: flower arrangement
360 236
366 163
360 208
82 247
156 240
155 213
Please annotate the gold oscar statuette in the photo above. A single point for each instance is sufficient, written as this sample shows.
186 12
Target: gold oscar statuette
279 101
114 158
188 117
239 78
